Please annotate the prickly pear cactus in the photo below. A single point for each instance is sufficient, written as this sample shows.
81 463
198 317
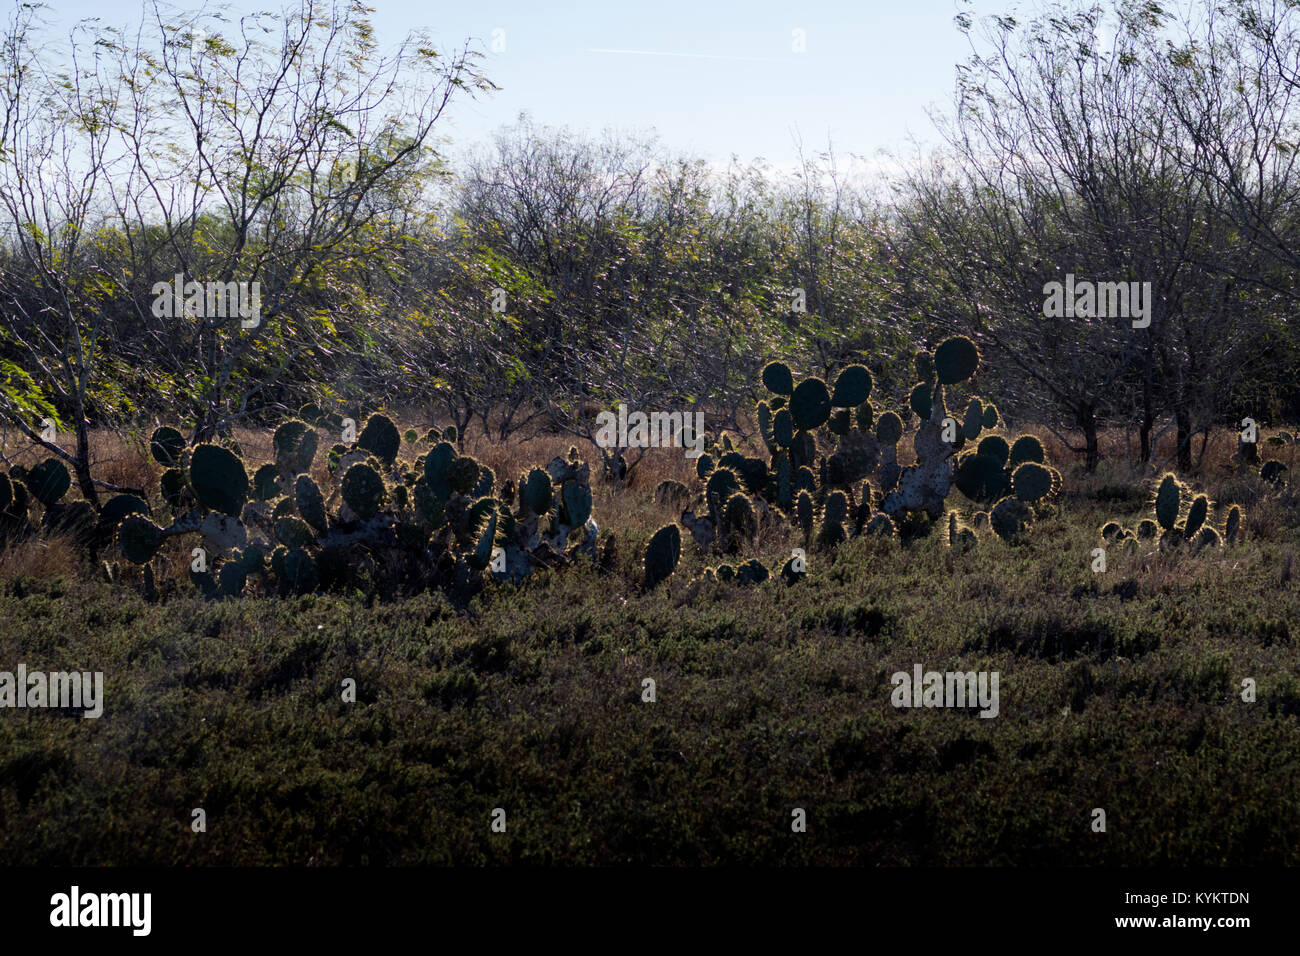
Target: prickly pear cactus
218 479
49 481
380 437
363 491
662 555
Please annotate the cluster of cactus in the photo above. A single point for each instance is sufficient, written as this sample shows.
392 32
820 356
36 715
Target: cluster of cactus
1180 515
433 521
665 548
858 485
1015 478
664 551
46 485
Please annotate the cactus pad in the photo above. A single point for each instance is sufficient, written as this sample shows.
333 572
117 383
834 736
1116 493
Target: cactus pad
49 481
662 555
380 438
363 491
166 445
777 378
218 479
852 387
956 360
810 405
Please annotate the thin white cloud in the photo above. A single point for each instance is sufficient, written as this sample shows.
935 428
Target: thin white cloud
696 56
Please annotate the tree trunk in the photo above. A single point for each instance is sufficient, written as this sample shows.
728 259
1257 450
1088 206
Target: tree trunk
1148 422
1088 422
1183 418
1148 407
82 466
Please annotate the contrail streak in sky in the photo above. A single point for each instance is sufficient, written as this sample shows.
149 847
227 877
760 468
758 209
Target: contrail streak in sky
698 56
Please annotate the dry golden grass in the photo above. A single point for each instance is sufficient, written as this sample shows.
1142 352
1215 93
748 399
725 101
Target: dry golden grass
41 558
123 460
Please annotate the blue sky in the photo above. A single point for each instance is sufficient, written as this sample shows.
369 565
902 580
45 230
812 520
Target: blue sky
870 70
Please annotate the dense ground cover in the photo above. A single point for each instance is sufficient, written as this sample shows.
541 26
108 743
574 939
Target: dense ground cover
1119 691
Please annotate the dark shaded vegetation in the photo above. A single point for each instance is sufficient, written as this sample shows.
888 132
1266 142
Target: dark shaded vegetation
1119 691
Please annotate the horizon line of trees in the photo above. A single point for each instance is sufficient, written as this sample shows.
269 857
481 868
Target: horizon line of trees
552 272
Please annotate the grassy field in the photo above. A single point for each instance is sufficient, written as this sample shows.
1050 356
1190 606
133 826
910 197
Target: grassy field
1119 691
